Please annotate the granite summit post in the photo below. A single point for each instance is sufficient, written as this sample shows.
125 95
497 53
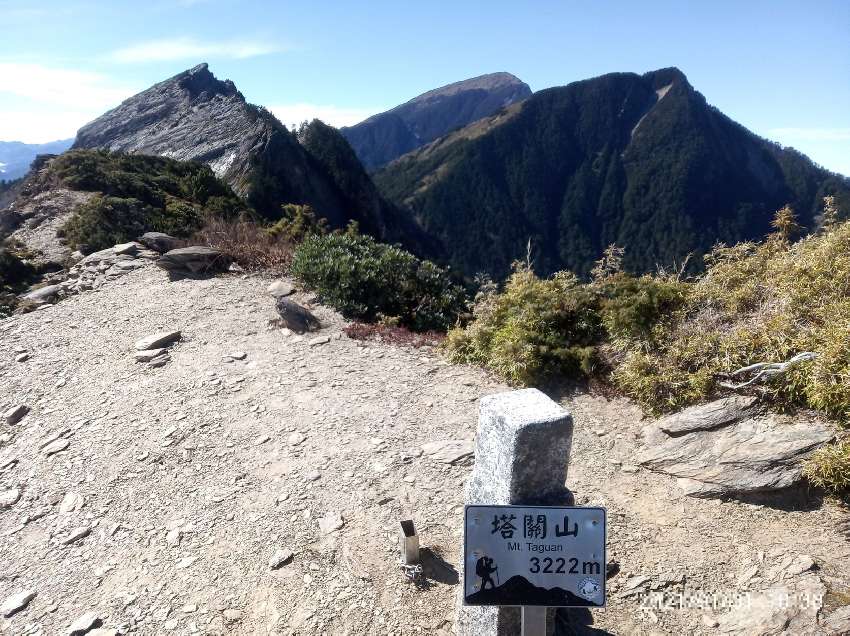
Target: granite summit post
521 456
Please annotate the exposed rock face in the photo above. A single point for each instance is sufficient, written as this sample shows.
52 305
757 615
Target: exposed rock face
727 448
386 136
194 116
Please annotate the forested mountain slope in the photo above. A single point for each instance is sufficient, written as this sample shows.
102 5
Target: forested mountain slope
637 160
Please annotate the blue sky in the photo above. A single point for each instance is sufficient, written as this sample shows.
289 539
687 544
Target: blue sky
780 68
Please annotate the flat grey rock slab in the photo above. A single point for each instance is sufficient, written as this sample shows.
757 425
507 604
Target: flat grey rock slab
159 242
196 259
449 451
126 248
756 454
44 294
706 417
157 340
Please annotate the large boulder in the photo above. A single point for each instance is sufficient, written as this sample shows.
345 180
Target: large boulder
730 448
159 242
193 261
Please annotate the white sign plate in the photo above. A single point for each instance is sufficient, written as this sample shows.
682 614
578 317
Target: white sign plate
534 555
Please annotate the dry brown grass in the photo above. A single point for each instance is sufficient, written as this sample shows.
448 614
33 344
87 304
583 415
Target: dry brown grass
247 244
394 335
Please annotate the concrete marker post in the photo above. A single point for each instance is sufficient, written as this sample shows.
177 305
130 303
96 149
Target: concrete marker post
521 457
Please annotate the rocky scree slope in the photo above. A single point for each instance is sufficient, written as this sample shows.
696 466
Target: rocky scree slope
386 136
194 116
254 482
637 160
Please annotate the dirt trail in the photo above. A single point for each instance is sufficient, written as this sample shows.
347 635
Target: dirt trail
190 477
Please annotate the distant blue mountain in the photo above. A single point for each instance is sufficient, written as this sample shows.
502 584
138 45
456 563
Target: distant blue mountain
16 156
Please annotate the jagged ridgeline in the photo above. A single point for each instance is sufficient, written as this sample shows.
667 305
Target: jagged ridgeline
194 116
637 160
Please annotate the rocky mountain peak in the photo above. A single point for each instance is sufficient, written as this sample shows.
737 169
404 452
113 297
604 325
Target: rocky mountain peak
489 82
419 121
198 80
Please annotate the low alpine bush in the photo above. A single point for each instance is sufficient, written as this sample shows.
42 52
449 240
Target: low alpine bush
367 280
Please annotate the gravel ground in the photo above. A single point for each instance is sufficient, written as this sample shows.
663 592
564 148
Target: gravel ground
172 488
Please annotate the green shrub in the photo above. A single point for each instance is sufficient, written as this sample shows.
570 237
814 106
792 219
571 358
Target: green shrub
138 193
829 468
534 328
632 308
297 223
104 221
367 280
15 276
755 303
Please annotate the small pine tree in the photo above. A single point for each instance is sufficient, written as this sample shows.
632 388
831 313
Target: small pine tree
830 212
609 265
785 224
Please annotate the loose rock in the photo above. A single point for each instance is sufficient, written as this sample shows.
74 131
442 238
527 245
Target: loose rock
9 498
16 414
16 602
84 624
330 522
157 340
280 288
280 558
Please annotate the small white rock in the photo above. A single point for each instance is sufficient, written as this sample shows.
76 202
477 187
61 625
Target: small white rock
330 522
319 340
280 558
9 498
296 438
16 602
83 624
76 534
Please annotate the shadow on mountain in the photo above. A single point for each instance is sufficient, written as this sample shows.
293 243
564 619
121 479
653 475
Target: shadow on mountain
517 589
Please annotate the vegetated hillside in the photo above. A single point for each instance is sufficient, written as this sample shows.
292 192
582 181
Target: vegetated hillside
16 156
388 135
119 197
640 161
194 116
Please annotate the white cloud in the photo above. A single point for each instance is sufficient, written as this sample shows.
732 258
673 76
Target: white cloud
811 134
189 48
41 127
65 87
294 114
40 103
